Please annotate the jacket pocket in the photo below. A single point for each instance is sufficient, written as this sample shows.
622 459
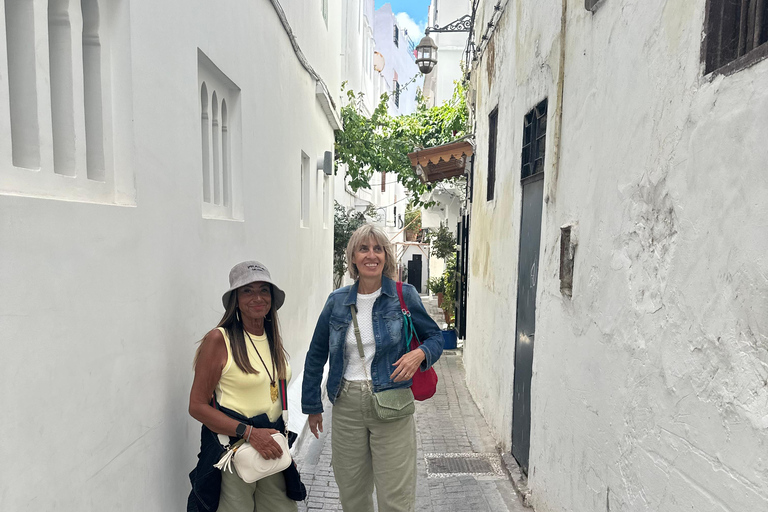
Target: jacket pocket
394 323
337 333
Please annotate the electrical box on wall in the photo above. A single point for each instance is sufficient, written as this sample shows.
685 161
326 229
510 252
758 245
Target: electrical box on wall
325 163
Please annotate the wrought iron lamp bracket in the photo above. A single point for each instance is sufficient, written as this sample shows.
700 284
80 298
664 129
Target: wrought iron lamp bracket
462 24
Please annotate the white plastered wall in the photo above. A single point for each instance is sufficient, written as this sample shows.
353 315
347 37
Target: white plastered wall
648 388
102 304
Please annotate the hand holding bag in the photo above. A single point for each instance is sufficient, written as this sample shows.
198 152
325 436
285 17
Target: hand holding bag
249 463
390 404
424 383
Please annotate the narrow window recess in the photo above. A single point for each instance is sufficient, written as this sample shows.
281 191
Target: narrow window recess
92 92
205 128
62 87
568 243
534 140
396 35
220 142
22 83
326 201
493 119
736 35
305 188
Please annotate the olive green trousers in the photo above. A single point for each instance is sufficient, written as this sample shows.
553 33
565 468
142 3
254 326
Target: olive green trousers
265 495
368 452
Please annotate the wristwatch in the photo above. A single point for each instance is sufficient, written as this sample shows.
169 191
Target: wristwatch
240 430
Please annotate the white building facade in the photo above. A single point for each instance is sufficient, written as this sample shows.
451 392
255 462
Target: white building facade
145 148
400 75
451 46
619 202
381 44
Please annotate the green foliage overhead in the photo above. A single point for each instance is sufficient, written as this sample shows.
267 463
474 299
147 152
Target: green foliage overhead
381 142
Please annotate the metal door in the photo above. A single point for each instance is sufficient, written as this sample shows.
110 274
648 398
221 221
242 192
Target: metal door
463 270
527 275
414 272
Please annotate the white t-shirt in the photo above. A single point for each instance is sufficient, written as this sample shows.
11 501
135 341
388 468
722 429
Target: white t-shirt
355 369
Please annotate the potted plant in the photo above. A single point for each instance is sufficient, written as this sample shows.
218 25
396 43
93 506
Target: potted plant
412 223
449 301
437 286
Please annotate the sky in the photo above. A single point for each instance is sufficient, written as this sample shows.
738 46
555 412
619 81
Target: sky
411 15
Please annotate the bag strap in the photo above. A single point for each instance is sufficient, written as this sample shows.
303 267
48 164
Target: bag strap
410 330
283 394
284 400
360 350
403 305
357 334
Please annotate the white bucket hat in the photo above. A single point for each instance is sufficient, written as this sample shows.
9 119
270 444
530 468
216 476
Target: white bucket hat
249 272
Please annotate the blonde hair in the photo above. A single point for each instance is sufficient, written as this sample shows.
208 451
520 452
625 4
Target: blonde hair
361 236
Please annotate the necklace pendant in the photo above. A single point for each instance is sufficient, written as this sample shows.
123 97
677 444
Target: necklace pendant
273 391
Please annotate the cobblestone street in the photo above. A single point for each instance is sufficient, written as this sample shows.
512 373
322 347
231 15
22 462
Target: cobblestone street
458 466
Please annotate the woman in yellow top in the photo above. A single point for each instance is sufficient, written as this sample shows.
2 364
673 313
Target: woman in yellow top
235 392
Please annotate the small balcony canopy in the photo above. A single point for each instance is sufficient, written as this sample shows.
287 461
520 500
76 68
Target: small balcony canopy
441 162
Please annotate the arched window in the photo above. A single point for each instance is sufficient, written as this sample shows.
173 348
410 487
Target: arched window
63 126
205 126
221 142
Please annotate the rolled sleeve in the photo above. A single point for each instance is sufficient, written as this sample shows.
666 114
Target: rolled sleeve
317 355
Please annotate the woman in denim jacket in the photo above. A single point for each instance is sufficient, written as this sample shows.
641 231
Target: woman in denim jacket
368 451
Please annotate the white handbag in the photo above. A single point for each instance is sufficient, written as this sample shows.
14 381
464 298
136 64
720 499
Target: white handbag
249 463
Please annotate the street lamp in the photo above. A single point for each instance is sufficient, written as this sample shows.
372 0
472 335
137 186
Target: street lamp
426 51
426 54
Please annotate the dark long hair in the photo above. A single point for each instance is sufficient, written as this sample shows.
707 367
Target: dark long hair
233 324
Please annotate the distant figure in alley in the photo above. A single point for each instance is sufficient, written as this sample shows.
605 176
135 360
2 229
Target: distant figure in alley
371 367
238 367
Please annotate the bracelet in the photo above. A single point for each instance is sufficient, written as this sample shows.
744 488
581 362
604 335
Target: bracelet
248 439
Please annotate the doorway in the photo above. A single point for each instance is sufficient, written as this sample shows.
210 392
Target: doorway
532 181
414 272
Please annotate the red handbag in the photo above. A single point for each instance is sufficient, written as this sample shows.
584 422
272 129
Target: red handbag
424 382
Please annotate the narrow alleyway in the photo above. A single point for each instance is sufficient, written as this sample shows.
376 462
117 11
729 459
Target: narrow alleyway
458 466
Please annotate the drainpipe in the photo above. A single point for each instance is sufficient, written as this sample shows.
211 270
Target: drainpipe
559 108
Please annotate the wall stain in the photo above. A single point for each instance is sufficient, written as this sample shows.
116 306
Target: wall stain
647 240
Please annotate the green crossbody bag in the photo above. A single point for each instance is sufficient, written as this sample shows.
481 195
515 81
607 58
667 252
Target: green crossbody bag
390 404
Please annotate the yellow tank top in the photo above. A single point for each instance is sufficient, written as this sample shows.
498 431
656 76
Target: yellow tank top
248 393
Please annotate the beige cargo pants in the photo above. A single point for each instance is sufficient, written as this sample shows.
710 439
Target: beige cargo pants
368 452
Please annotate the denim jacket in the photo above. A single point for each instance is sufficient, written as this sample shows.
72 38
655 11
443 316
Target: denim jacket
329 341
